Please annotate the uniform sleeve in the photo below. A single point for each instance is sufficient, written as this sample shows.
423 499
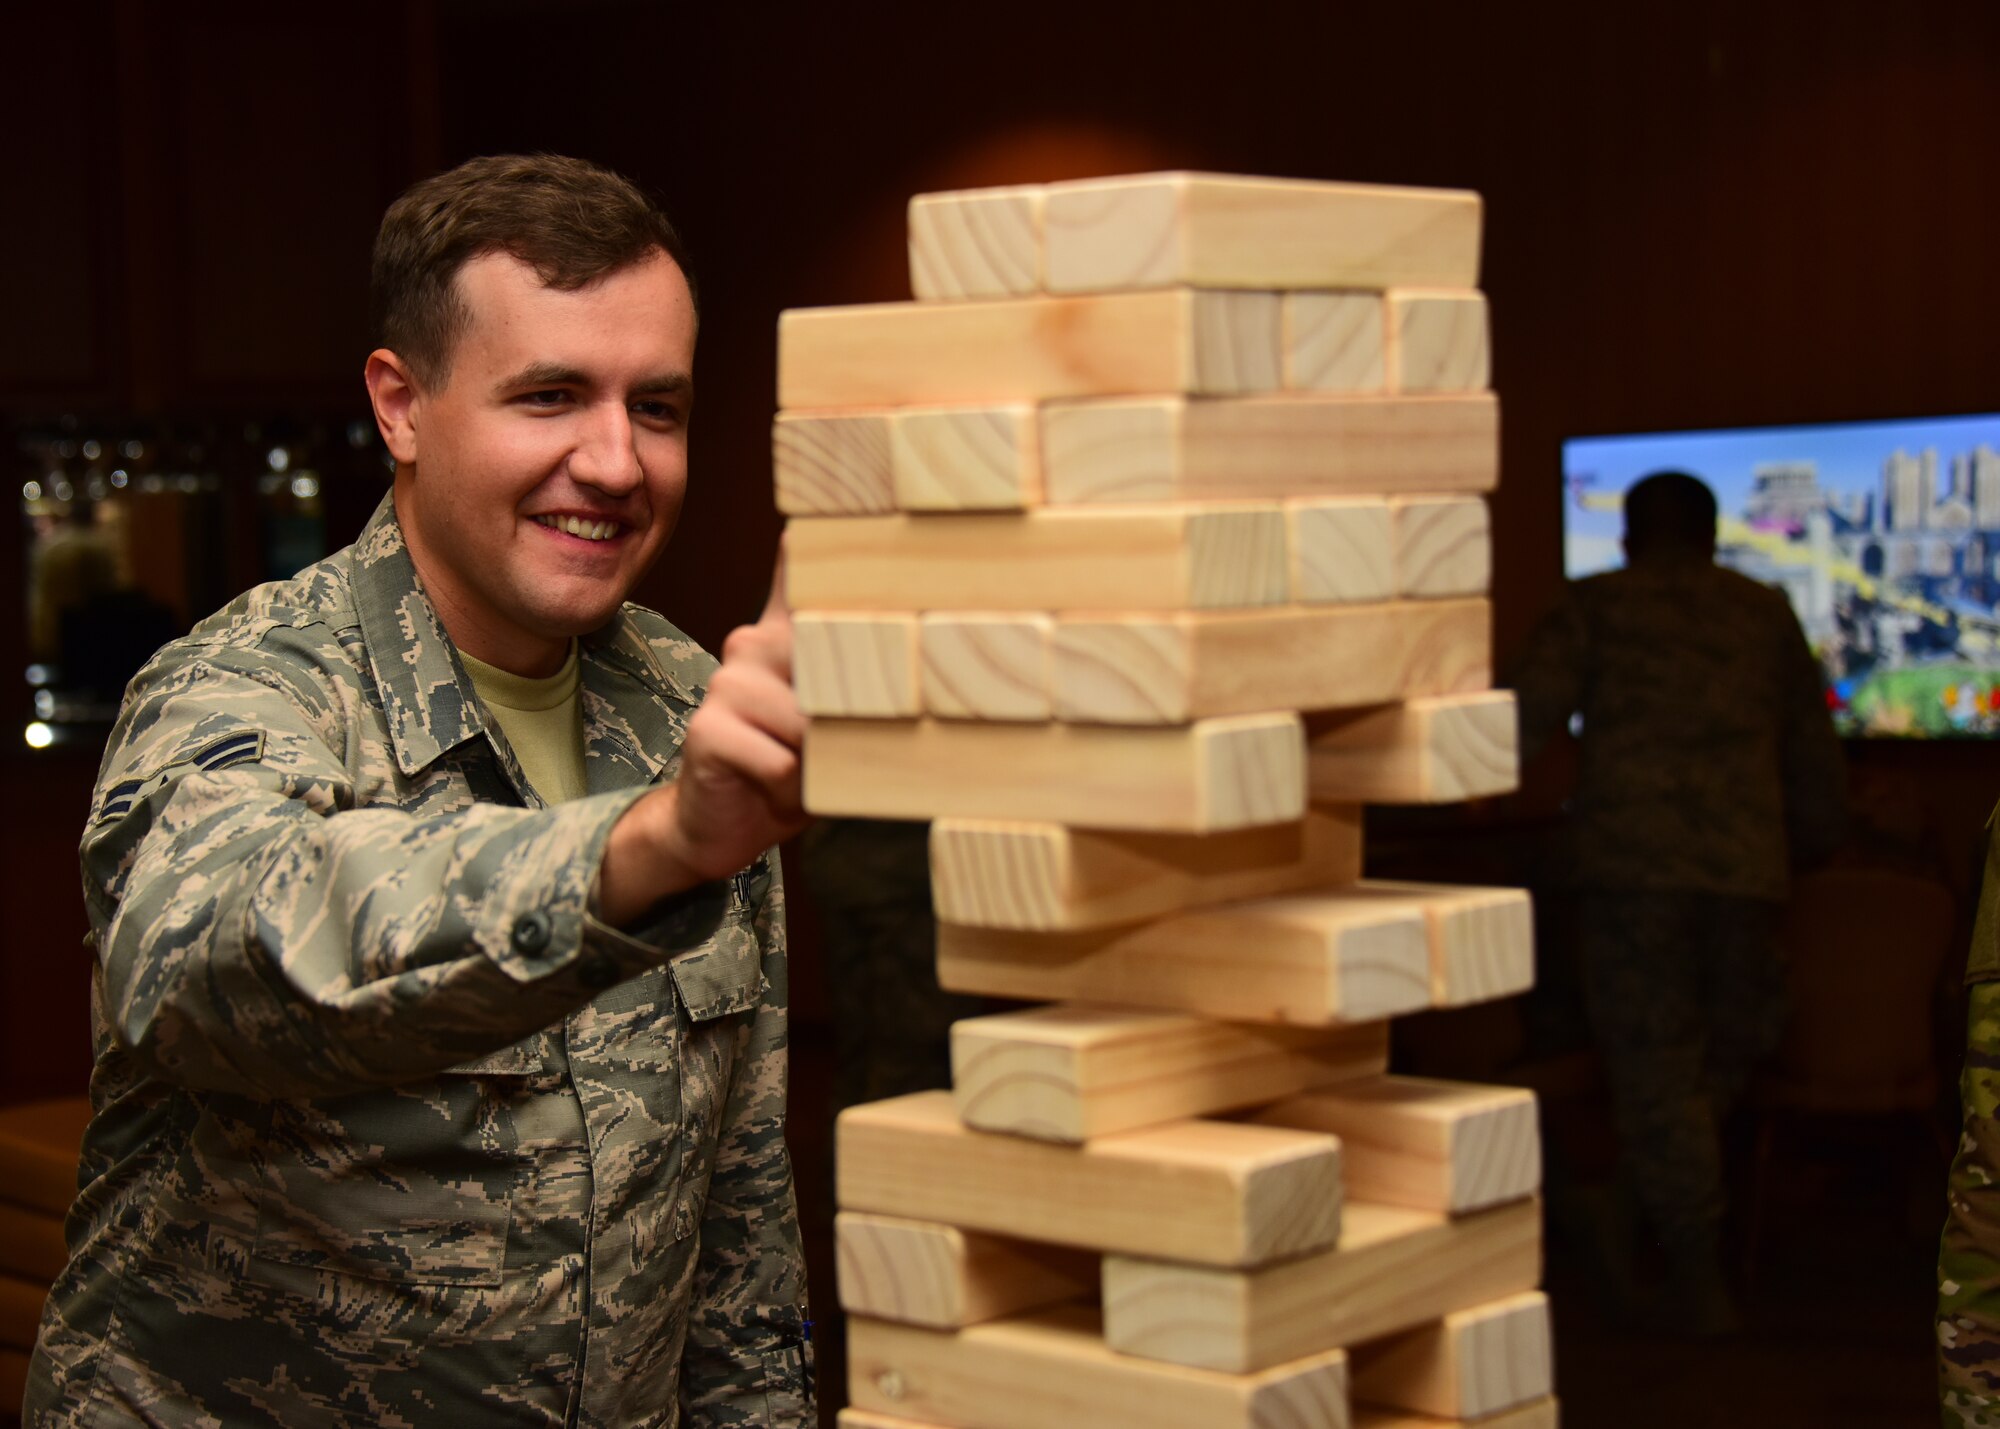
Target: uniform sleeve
260 930
1547 675
748 1356
1814 771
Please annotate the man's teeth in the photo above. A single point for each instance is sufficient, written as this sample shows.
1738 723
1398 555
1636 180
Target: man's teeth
577 526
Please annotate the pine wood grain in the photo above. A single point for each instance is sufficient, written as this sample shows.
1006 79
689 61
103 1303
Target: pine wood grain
1050 1368
1044 876
1305 960
966 458
832 465
1438 341
1471 1364
1223 231
1431 1145
1342 549
1393 1269
1070 1072
1163 558
1169 668
1147 449
976 243
859 665
1443 545
993 666
1432 749
1482 940
1243 1195
924 1273
1029 349
1334 342
1213 775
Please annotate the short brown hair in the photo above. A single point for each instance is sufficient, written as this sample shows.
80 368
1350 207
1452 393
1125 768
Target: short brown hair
569 220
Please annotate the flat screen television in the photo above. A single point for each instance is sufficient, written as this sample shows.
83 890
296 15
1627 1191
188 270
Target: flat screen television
1886 536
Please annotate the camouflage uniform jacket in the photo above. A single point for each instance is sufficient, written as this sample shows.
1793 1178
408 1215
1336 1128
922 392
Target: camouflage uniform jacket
1708 763
390 1130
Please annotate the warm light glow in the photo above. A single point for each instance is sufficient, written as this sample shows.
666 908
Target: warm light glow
39 735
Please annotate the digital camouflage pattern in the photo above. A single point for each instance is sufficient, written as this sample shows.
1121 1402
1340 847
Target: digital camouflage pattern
1968 1313
390 1130
1708 761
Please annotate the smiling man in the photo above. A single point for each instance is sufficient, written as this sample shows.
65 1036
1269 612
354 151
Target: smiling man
440 990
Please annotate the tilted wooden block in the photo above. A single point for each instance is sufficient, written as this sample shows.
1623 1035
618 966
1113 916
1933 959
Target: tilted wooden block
1437 342
1220 231
1309 960
1393 1269
1433 749
1051 1368
1029 349
1217 774
1443 545
1072 1072
1168 558
987 666
1170 668
966 458
1149 449
1449 1147
832 465
1342 549
1470 1364
989 873
1538 1414
852 1418
1482 939
924 1273
1334 342
976 243
1242 1195
861 666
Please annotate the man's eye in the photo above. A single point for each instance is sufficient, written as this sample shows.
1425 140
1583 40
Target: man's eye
656 411
553 397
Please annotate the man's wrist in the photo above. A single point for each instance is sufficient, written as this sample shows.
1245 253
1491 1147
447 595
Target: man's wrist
642 862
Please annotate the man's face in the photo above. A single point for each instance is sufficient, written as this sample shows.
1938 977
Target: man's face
546 473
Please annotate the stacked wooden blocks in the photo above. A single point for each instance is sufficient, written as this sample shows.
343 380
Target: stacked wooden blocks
1138 554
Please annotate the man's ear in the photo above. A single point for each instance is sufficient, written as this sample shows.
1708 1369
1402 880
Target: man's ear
392 391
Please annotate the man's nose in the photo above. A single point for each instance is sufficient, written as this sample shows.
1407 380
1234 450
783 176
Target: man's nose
606 455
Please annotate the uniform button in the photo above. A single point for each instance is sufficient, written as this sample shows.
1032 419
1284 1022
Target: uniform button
531 933
599 971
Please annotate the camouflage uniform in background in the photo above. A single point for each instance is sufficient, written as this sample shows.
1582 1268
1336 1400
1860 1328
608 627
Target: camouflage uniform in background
1968 1312
870 881
390 1129
1708 766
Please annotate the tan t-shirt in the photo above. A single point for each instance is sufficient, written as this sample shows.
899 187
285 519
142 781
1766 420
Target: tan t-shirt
543 721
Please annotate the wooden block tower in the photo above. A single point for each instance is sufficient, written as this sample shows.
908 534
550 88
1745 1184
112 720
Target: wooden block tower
1138 553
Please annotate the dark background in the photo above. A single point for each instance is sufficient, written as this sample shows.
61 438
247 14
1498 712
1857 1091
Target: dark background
1698 214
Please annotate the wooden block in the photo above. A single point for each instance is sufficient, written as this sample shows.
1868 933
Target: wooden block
1213 775
1471 1364
852 1418
1342 549
1309 960
1393 1269
863 666
40 1143
1220 231
1242 1195
923 1273
1436 749
1029 349
1449 1147
1482 940
1051 1368
1150 449
832 465
966 458
1071 1072
1538 1414
1443 545
976 243
1437 342
21 1311
995 874
1334 342
31 1243
1168 558
1167 669
987 666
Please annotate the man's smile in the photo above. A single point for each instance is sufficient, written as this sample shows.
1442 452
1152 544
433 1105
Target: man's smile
584 527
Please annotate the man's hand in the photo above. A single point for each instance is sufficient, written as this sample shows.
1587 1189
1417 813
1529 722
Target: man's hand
737 792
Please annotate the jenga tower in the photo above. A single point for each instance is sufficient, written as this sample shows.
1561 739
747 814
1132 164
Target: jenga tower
1139 553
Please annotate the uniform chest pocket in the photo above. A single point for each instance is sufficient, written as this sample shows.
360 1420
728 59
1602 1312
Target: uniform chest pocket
411 1185
720 986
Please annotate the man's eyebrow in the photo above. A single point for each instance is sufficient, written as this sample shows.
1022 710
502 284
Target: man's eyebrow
663 384
542 374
